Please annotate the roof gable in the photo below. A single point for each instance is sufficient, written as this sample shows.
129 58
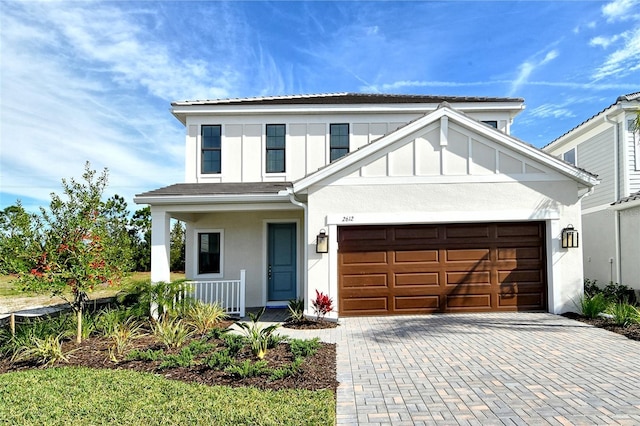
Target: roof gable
445 143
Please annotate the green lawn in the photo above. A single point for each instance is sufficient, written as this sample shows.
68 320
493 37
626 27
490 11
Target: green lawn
82 396
7 289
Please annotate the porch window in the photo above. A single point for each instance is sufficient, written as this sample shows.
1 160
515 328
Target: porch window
209 252
339 141
275 148
211 149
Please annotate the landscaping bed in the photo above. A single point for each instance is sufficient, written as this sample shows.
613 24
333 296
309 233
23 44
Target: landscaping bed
631 331
316 371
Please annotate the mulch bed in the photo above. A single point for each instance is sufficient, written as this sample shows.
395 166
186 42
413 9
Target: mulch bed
632 331
310 324
317 372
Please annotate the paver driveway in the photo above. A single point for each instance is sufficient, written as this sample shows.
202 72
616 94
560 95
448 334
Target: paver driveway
520 368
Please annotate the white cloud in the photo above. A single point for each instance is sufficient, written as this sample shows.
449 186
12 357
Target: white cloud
620 10
625 60
75 87
602 41
553 111
527 68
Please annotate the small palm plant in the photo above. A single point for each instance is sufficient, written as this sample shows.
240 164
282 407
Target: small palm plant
259 337
204 316
296 310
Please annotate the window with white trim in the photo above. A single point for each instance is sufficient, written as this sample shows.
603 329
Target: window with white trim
209 246
211 146
570 156
338 141
275 154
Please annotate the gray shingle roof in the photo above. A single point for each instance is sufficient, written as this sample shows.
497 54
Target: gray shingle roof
633 197
624 98
246 188
346 98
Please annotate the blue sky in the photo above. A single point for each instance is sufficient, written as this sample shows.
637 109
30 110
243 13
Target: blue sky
93 81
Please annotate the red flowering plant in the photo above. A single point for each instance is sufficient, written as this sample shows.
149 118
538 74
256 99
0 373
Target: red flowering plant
322 305
79 251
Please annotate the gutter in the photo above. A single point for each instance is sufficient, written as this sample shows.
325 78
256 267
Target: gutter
305 259
199 199
616 190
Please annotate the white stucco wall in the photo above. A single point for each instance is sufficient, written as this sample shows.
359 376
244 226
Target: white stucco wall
244 247
630 247
554 202
599 246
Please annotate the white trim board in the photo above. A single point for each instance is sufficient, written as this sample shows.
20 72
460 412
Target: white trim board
346 219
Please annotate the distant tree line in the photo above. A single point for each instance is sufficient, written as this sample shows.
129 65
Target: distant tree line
26 238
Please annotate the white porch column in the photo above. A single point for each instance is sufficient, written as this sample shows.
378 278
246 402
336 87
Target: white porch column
160 244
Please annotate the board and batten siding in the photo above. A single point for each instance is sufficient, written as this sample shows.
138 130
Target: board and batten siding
632 144
597 155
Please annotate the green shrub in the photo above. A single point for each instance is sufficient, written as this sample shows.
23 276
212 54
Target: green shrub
234 342
217 333
45 351
219 360
304 347
248 369
198 347
36 328
283 372
593 306
108 320
623 314
148 355
615 292
172 332
591 287
204 316
123 333
182 359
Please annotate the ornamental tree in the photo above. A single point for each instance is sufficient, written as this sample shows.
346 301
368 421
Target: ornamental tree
85 242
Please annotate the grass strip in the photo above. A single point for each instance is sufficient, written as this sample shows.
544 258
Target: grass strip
84 396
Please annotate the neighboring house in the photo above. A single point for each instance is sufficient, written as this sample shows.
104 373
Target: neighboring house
427 203
608 145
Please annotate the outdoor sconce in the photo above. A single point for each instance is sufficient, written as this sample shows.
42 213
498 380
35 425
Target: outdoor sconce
322 242
569 237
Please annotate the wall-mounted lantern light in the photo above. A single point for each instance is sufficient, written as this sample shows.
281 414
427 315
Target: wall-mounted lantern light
569 237
322 242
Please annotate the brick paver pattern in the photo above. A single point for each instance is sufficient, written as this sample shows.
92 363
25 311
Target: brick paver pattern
482 369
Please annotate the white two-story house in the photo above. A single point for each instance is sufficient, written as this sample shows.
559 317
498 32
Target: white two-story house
608 145
390 204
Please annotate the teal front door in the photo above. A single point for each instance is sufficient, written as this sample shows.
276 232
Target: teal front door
281 258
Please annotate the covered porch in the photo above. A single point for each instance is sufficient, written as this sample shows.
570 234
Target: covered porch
244 244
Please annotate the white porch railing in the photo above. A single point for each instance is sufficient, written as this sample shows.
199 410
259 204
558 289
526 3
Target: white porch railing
229 294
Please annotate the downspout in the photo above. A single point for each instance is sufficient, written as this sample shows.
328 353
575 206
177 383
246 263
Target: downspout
305 260
616 191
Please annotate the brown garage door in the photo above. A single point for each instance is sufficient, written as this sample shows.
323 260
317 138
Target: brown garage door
441 268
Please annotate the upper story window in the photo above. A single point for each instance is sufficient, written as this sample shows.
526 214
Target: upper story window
492 123
570 156
211 146
275 148
339 141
